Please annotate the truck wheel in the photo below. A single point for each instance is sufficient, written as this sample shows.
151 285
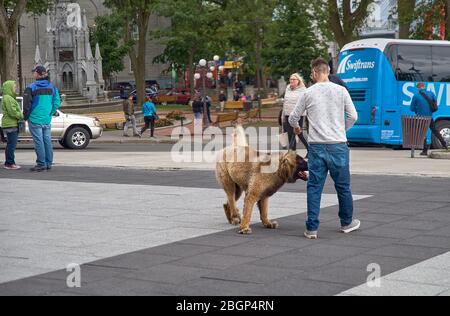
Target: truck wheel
444 129
77 138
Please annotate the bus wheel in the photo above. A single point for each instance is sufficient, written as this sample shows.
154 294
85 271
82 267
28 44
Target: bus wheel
443 128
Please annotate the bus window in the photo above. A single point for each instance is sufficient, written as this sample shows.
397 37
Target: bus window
441 63
391 54
414 63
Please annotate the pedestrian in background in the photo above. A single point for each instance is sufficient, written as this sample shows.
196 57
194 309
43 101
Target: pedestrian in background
149 111
294 92
208 102
421 105
197 109
222 100
41 102
330 112
12 114
130 118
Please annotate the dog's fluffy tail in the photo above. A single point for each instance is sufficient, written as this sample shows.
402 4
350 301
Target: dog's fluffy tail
240 139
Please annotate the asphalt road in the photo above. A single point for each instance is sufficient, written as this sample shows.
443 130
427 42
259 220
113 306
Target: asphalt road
133 147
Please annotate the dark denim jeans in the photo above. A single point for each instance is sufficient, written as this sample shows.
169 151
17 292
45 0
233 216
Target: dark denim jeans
11 147
334 159
42 137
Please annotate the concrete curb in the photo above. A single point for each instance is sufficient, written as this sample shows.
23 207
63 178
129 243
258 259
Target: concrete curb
440 155
132 140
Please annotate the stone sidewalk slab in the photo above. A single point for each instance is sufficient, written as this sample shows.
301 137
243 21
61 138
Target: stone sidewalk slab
65 222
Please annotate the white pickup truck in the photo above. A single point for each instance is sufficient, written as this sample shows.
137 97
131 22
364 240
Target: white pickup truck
70 130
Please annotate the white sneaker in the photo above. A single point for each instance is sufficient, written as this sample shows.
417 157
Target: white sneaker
310 234
355 225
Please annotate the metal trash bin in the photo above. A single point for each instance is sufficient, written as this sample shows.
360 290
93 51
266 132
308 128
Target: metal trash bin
414 131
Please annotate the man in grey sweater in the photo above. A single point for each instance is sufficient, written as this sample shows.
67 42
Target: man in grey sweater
330 113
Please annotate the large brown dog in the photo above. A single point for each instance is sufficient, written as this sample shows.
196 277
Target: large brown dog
242 169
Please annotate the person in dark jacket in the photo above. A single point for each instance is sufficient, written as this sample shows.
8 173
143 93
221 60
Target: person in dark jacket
222 100
40 103
208 102
335 79
421 107
197 108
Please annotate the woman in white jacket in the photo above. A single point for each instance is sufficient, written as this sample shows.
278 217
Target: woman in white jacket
294 92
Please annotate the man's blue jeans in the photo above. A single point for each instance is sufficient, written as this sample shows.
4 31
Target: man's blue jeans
42 137
11 147
334 159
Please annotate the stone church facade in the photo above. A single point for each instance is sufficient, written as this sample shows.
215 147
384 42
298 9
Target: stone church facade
60 40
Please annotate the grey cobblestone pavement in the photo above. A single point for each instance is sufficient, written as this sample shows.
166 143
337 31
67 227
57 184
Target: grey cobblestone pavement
164 233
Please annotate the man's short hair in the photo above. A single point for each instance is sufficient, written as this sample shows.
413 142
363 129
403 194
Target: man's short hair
320 65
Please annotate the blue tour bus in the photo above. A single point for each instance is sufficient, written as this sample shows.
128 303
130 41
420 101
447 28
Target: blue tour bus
381 75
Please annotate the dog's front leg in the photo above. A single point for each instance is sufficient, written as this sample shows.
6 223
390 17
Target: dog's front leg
249 203
263 206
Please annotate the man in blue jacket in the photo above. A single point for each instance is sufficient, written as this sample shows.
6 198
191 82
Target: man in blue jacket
421 107
40 102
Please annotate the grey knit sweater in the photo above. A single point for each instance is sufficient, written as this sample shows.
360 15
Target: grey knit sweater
330 111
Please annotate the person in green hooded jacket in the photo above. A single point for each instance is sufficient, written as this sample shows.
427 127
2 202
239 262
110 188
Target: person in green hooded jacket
12 114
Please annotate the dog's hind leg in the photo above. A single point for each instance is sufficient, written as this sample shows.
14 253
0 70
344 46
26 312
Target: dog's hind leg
227 210
263 206
233 193
249 203
231 210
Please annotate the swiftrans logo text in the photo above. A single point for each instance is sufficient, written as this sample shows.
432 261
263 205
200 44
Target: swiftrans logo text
348 65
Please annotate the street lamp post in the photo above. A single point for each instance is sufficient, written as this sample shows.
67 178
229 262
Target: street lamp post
205 72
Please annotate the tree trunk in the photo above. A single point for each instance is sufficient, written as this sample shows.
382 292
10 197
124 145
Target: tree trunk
405 17
8 36
9 55
191 72
258 57
345 31
2 64
334 23
139 73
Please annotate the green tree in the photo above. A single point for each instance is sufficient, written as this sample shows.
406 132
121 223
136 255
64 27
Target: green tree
427 19
247 25
447 19
108 33
192 34
292 42
135 17
10 13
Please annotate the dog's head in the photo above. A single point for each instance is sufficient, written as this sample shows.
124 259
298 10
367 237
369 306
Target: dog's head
292 167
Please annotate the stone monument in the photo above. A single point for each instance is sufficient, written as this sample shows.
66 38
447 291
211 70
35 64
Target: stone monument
68 56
